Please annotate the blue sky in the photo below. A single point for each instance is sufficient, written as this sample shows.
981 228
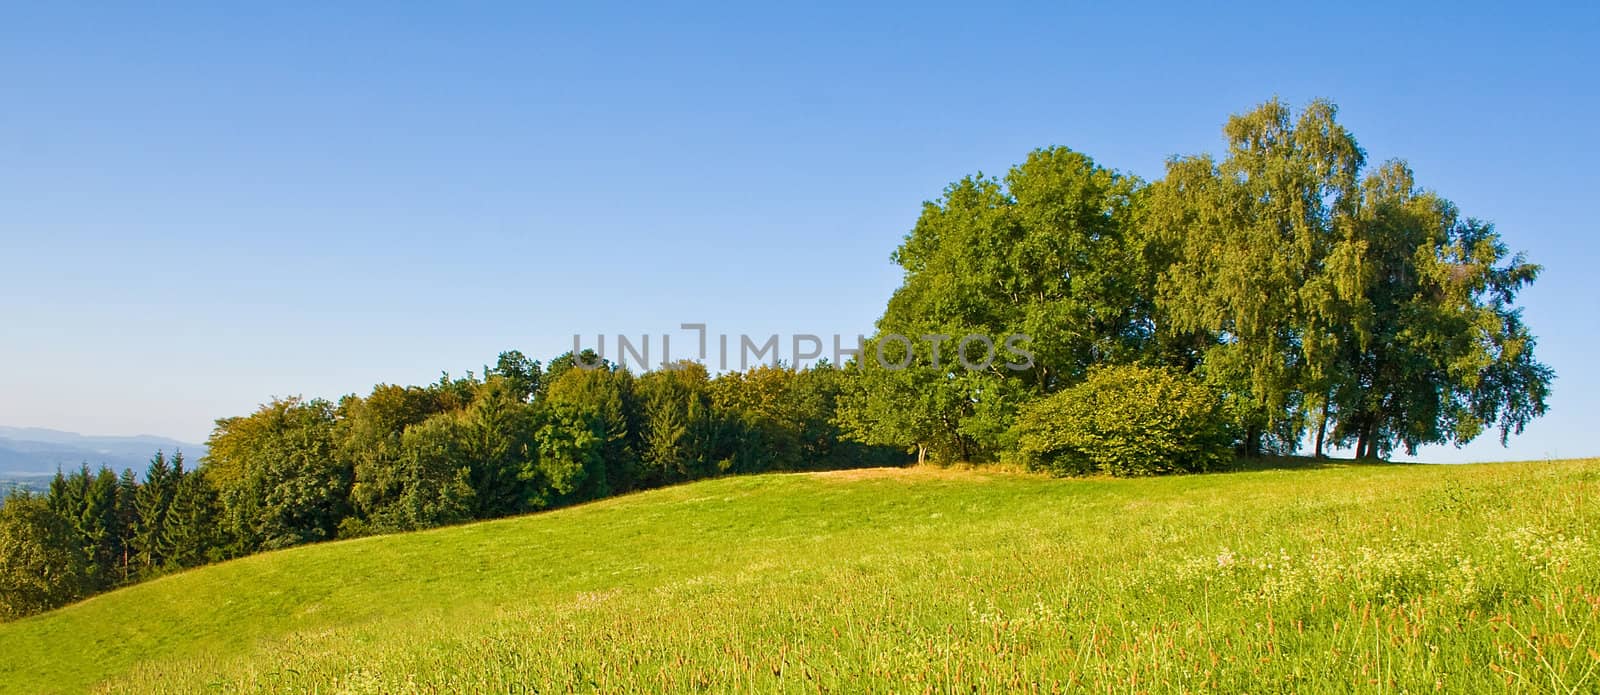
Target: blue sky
203 207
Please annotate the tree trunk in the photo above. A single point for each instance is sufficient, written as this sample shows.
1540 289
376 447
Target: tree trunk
922 453
1367 438
1322 430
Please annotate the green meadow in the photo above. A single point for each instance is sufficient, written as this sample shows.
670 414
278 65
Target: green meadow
1300 578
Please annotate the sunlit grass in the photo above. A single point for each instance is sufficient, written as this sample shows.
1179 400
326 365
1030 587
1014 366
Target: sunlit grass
1380 578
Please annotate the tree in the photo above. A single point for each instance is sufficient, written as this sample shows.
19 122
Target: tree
682 436
370 434
566 361
99 530
1366 306
42 565
571 455
191 532
127 522
816 396
758 405
278 476
919 407
521 374
152 502
1264 260
1051 252
433 481
595 407
1440 352
89 503
67 494
495 438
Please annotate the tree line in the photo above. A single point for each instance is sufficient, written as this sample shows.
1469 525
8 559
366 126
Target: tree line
1279 295
523 437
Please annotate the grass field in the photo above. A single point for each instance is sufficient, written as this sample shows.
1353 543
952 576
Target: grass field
1482 578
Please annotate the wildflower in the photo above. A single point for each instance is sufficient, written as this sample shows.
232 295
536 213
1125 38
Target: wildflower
1225 558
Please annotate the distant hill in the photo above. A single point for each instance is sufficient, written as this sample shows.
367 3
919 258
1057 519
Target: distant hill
30 451
32 482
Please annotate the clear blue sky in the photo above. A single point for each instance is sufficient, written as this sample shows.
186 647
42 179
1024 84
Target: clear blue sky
204 207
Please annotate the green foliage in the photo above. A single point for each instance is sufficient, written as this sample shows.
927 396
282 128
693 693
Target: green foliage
571 448
522 376
1052 253
119 530
683 436
758 402
495 443
594 416
89 503
918 408
560 364
779 418
1262 258
152 504
437 481
1126 421
1361 310
191 532
1440 352
395 481
816 398
277 473
127 523
42 563
1364 305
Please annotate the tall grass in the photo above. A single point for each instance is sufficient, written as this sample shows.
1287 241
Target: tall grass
1368 578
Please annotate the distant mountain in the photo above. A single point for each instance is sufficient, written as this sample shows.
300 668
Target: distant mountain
28 451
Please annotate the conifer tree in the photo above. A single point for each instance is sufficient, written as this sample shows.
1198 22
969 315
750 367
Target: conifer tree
153 502
190 534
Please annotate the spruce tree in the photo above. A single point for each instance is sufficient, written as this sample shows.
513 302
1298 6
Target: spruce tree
152 502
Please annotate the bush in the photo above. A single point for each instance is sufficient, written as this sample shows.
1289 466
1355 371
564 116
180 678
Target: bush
1126 421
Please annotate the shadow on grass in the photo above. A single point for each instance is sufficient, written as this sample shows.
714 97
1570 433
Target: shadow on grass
1302 463
1238 465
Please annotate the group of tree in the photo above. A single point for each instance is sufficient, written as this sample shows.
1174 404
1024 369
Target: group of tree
92 531
1310 298
523 437
1238 305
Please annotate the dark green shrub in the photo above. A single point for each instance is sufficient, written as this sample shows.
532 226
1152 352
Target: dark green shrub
1126 421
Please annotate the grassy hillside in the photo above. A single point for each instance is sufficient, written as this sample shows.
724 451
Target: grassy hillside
1419 578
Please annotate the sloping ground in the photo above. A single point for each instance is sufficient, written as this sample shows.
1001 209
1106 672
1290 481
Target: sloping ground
1464 578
